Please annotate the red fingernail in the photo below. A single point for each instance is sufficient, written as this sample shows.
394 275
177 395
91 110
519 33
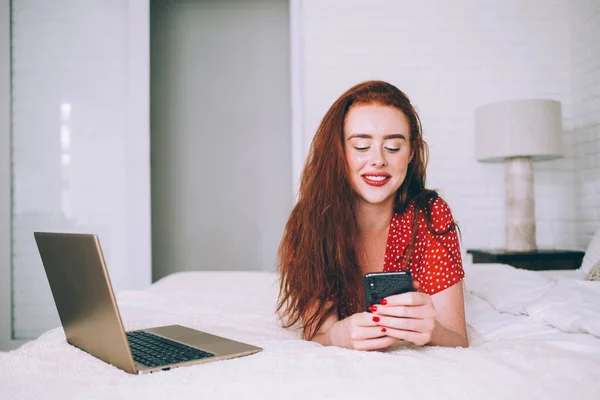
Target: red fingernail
376 319
372 308
383 302
383 330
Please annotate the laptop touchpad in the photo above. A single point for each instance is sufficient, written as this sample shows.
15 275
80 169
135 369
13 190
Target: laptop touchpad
185 335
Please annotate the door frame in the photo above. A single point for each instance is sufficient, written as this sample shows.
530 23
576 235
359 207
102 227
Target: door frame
6 340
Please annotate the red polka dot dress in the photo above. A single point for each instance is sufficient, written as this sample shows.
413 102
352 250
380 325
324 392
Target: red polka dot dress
436 262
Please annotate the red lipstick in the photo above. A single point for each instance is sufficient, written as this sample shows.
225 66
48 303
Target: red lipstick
376 178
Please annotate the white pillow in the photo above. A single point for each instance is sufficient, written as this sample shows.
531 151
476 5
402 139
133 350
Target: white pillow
592 254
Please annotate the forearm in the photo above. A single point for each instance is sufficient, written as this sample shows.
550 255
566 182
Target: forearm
442 336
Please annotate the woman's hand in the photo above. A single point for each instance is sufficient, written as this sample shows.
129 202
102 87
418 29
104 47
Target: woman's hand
408 316
360 331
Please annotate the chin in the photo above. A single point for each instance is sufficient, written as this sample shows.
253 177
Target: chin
375 199
376 196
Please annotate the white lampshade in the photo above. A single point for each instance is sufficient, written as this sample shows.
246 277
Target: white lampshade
517 133
519 128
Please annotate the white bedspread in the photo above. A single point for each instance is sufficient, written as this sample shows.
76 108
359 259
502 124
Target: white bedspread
566 304
511 356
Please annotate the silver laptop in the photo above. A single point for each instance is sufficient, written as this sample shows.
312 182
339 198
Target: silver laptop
89 314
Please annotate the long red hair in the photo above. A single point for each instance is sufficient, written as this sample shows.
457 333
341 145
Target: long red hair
317 261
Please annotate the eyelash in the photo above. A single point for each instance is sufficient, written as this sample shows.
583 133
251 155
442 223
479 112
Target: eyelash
390 149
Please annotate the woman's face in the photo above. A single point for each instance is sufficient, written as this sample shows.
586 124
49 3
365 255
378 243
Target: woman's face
377 145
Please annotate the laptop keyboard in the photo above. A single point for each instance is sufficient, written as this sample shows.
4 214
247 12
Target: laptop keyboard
153 351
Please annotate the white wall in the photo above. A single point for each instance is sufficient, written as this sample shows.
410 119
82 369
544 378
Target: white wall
221 134
450 57
585 122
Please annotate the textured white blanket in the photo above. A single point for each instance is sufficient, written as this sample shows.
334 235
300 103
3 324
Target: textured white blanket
566 304
500 364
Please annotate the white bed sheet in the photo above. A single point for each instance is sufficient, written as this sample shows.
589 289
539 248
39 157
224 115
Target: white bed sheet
511 356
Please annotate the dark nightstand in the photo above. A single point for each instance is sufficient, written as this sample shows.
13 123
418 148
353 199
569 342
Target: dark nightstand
535 260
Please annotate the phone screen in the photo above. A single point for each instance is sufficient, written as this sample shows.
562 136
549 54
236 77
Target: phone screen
379 285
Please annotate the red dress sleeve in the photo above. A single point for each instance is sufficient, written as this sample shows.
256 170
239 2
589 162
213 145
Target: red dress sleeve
441 263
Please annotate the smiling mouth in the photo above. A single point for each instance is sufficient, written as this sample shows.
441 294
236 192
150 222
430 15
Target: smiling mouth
376 180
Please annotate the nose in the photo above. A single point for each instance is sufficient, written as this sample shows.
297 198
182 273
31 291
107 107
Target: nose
378 158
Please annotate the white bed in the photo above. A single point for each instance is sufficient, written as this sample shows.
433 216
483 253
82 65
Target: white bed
515 352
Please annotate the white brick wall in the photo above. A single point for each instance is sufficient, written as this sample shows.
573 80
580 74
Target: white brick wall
585 116
450 57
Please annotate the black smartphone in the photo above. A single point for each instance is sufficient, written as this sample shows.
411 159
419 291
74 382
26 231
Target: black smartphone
379 285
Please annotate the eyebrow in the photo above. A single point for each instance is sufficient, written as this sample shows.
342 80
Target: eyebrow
367 136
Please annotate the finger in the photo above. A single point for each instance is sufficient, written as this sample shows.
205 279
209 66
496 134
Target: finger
363 319
374 344
407 324
407 299
420 312
418 338
416 285
365 333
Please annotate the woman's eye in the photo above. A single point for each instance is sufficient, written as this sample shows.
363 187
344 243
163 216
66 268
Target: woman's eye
392 149
361 148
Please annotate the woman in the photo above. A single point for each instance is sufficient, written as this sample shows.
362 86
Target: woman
362 208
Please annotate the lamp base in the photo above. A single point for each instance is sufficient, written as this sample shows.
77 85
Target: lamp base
519 203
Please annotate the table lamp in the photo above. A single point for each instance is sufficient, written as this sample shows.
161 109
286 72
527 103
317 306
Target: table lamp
517 133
